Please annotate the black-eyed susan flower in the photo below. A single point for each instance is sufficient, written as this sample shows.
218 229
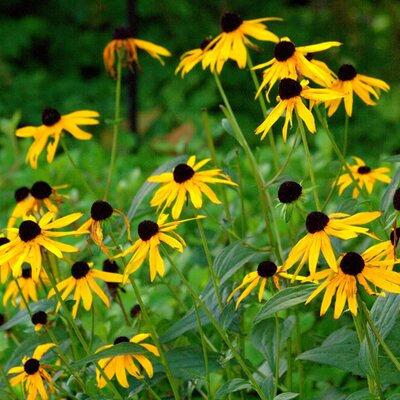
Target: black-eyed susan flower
265 270
53 125
291 95
293 62
191 58
82 283
36 381
151 234
364 175
354 269
22 199
186 178
320 228
5 268
28 288
113 287
99 212
135 311
349 81
232 42
119 365
123 41
290 194
32 236
396 200
39 319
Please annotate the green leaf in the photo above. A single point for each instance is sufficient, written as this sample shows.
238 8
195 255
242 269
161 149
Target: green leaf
395 396
228 127
385 312
286 396
361 395
387 197
232 386
340 349
284 299
115 350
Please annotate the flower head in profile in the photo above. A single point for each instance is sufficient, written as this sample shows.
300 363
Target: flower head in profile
121 364
232 42
320 228
36 381
151 235
290 194
34 235
28 288
265 270
126 46
364 175
291 95
350 81
187 179
39 319
82 283
294 62
54 124
353 270
112 267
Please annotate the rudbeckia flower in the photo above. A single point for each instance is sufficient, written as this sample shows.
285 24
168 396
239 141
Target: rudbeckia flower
290 98
349 81
232 42
186 178
293 62
364 175
34 375
5 268
113 287
22 198
39 319
354 269
151 234
99 212
320 227
265 270
33 235
28 287
192 57
53 125
120 365
82 282
123 40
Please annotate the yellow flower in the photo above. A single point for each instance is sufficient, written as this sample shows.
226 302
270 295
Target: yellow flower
364 175
31 237
5 268
186 178
354 268
349 81
34 375
122 40
232 42
293 62
290 98
320 227
53 125
119 365
151 234
82 283
28 288
39 319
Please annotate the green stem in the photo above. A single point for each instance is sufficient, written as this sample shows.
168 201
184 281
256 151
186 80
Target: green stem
346 135
278 354
6 380
243 219
299 351
121 304
309 162
217 326
115 125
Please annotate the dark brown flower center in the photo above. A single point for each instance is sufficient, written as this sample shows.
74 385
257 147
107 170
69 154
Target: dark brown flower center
80 269
394 233
347 72
31 366
289 88
352 263
135 311
266 269
121 339
101 210
147 229
230 21
289 191
41 190
316 221
183 173
309 56
50 116
205 43
110 266
364 169
21 194
284 50
39 317
28 230
2 319
27 273
396 199
121 33
4 240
